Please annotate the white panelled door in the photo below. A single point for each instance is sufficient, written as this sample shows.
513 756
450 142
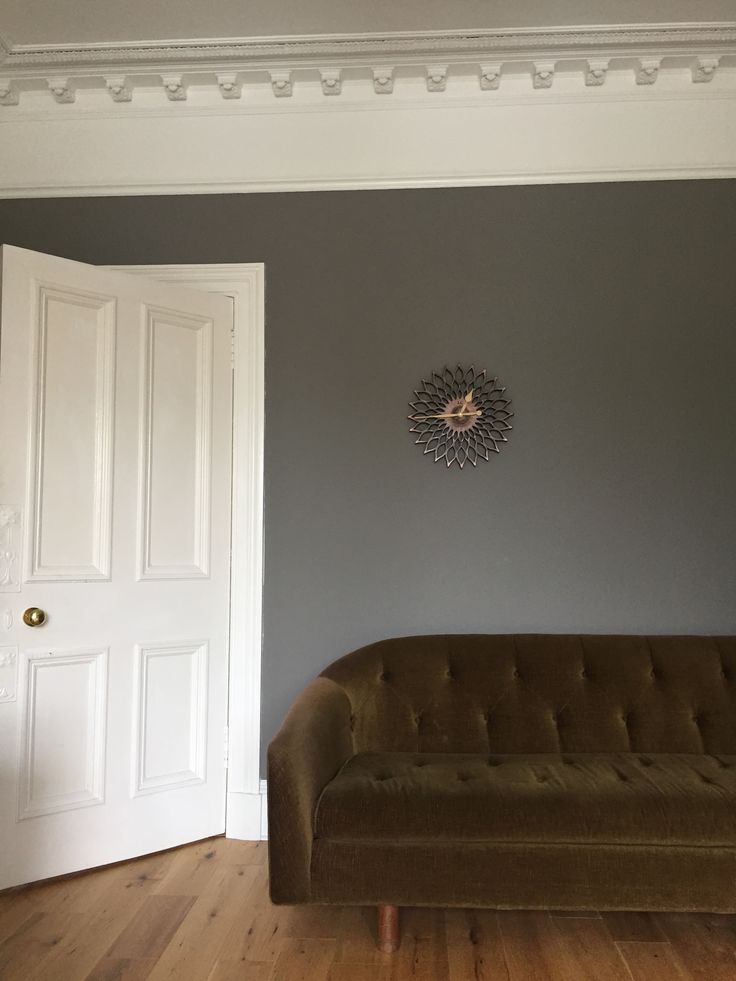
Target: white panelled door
115 465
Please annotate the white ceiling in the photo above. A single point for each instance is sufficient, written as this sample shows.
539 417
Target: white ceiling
55 22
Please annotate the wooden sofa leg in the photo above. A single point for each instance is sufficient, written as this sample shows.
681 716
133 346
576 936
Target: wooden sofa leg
388 929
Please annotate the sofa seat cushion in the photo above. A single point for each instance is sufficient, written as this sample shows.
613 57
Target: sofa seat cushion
630 798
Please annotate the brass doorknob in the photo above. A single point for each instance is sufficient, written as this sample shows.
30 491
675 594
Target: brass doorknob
33 617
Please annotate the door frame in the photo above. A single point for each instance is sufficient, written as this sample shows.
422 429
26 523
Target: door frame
245 284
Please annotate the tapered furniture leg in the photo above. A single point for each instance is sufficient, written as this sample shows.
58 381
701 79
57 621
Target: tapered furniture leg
388 929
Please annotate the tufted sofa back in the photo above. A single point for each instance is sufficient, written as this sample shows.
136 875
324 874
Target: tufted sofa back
542 693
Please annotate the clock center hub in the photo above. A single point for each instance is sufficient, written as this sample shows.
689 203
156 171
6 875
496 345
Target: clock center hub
462 415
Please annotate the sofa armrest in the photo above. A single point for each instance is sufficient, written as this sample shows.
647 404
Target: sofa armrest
306 753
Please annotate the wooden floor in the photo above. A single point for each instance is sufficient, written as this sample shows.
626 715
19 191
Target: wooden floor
201 913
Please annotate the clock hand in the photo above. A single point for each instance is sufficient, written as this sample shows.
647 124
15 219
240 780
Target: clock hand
448 415
466 401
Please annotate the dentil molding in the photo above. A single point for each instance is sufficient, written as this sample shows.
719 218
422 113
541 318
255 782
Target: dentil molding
229 67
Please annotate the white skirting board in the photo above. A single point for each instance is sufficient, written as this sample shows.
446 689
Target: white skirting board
247 815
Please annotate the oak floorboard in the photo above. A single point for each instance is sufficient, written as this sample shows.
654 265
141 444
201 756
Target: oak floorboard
196 945
590 950
12 917
193 868
534 948
54 896
150 931
121 969
474 946
422 953
652 961
26 948
116 894
340 971
311 922
705 947
357 937
303 960
256 934
230 970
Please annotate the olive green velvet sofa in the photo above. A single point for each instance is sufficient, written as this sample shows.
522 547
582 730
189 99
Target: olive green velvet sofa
528 771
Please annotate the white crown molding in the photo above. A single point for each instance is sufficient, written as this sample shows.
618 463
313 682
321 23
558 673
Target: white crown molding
604 104
369 51
230 68
625 39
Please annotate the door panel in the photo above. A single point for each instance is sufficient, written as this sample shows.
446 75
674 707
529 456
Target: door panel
172 714
71 434
115 428
175 443
62 758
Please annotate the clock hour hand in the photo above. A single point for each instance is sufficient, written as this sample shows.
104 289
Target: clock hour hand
466 401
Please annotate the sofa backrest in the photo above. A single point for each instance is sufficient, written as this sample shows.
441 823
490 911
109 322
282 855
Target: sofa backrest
542 693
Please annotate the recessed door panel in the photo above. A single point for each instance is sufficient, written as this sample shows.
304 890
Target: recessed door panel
175 446
63 748
171 736
72 432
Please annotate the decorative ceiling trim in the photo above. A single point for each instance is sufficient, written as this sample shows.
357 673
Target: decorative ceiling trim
197 53
231 66
431 110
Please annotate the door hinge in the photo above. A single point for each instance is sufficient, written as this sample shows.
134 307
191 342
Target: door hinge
226 748
232 346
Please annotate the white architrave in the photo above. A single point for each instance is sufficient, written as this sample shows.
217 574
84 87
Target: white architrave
244 282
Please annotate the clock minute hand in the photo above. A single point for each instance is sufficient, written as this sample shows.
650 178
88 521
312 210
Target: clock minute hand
449 415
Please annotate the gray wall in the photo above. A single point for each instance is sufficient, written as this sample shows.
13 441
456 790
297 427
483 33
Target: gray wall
608 311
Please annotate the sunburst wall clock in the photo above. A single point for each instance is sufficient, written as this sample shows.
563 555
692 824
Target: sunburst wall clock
460 415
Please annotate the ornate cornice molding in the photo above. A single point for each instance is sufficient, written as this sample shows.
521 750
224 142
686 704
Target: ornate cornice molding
430 110
620 41
230 67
